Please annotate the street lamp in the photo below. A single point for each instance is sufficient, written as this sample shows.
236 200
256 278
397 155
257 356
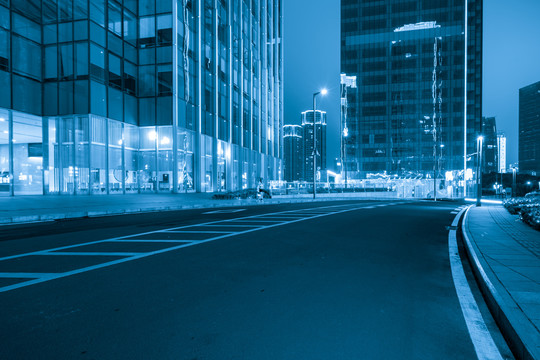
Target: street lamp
322 92
479 144
514 181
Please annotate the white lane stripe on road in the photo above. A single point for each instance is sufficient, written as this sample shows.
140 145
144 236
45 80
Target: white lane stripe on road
68 253
271 224
148 241
26 275
480 336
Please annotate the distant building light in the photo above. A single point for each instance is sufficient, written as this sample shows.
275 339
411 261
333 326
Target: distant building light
418 26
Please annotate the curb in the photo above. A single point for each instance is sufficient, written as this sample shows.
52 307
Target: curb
25 219
515 327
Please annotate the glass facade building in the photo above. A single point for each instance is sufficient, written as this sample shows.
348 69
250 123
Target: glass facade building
413 104
529 129
130 96
293 159
307 125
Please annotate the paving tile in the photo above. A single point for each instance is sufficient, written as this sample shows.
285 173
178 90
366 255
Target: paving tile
527 297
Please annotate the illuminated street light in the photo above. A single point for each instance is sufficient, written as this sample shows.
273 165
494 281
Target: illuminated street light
479 144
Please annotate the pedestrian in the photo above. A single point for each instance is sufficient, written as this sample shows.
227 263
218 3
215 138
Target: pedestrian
260 191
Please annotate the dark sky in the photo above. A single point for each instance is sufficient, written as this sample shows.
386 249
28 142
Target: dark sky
312 53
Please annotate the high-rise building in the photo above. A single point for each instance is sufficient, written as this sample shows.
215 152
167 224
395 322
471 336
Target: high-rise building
501 152
410 57
106 96
293 153
489 156
529 129
307 125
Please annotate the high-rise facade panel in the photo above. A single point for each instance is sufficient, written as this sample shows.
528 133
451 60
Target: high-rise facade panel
413 102
107 96
293 153
489 157
529 129
308 118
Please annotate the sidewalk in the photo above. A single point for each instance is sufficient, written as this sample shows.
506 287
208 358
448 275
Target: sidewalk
21 209
506 259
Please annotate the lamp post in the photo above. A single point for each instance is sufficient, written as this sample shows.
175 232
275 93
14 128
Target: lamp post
479 143
322 92
513 182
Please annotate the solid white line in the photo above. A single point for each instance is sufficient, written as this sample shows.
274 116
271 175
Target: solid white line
26 275
67 253
229 225
194 232
481 338
149 241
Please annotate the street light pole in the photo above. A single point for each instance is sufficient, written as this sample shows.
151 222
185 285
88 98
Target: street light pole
322 92
514 182
479 144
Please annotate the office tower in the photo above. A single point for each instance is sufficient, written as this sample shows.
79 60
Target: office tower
489 157
529 129
408 114
293 153
139 96
501 152
307 125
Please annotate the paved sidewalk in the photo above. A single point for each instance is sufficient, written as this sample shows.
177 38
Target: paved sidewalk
506 258
21 209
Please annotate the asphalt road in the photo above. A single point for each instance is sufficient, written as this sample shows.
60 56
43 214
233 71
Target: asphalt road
345 280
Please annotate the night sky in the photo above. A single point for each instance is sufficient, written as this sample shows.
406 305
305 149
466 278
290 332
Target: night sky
312 53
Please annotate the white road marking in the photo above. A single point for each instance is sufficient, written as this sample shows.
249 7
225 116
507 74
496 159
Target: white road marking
148 241
226 211
195 232
15 275
67 253
481 338
332 210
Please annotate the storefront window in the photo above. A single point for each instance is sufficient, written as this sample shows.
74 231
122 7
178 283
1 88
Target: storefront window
147 159
5 178
98 127
116 170
27 155
131 154
82 158
165 163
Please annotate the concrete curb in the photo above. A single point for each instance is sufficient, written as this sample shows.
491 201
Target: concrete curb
23 219
514 325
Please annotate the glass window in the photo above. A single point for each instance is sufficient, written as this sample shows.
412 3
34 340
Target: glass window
97 34
81 97
115 72
26 57
98 130
50 98
81 60
164 80
5 181
98 101
81 30
97 62
130 109
65 32
51 63
80 9
65 97
164 28
130 78
82 158
115 18
5 91
147 159
65 10
30 8
26 28
147 7
115 44
97 11
131 5
147 80
4 17
31 101
4 49
147 30
50 34
130 28
116 104
27 155
49 11
147 111
116 170
131 146
164 111
66 62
